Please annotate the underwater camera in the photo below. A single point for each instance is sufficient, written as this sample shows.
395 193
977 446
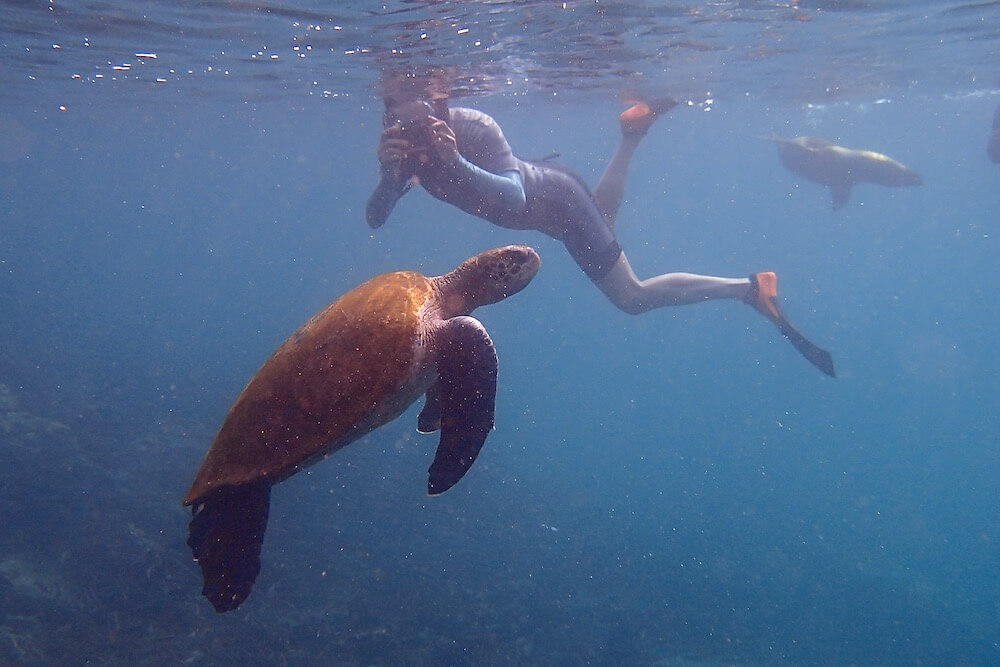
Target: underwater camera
411 116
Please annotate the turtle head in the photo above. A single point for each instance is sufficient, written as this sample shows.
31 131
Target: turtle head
488 277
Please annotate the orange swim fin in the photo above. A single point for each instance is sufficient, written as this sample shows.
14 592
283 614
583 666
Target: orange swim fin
765 294
638 118
764 298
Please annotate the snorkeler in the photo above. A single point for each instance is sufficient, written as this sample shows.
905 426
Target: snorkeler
460 156
993 146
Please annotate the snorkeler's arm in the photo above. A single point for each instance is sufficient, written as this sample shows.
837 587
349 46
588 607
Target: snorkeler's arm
388 191
497 197
392 184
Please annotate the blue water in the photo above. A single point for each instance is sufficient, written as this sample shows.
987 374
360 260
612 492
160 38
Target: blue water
676 488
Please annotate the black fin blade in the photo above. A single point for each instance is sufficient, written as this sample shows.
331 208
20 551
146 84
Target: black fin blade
814 354
467 379
226 535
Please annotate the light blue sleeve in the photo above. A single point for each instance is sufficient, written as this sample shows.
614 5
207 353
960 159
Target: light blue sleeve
498 198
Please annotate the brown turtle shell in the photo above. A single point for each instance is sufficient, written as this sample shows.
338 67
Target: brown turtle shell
357 364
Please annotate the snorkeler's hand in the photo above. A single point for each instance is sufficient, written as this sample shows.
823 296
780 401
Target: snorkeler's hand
392 148
444 144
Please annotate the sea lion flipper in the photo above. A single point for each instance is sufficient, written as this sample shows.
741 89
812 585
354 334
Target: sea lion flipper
226 535
841 194
429 419
467 379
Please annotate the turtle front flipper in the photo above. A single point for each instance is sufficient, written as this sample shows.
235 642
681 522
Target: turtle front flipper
467 385
226 535
429 419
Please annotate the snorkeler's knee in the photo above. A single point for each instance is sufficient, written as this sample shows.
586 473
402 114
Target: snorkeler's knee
633 306
626 300
620 287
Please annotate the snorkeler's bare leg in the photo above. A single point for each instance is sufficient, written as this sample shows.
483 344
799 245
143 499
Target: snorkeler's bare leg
636 296
635 122
760 291
611 188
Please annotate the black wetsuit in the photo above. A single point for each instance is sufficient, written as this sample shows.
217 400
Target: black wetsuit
555 201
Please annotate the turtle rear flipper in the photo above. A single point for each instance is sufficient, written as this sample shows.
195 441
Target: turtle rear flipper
467 385
226 535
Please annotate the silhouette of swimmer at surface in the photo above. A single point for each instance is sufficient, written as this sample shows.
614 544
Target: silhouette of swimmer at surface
993 147
460 156
841 168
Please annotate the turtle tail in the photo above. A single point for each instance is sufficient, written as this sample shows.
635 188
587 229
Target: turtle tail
226 535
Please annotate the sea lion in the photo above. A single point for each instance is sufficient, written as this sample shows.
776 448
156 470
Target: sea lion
841 168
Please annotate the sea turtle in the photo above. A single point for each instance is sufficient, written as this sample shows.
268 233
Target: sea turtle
356 365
